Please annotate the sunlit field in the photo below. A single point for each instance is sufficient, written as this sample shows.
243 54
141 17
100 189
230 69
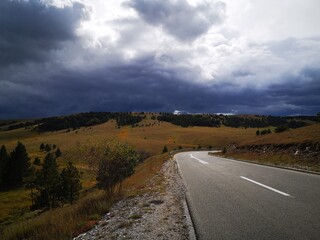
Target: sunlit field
150 136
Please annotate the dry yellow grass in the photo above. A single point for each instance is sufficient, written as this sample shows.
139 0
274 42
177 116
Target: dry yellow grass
62 223
300 135
136 184
151 136
14 204
70 221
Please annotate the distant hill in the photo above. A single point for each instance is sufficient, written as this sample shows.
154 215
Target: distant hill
236 121
75 121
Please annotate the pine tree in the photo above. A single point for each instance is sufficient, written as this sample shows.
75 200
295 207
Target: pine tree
165 149
42 146
4 158
58 153
70 184
18 167
47 184
37 161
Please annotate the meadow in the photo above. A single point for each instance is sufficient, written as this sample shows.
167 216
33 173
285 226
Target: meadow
149 135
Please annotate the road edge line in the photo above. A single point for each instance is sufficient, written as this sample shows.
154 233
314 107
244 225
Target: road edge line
193 235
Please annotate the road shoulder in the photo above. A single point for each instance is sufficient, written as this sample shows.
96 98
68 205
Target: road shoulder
161 213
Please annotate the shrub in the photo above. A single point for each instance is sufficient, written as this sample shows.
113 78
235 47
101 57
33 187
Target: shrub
58 153
70 184
281 128
117 163
165 149
37 161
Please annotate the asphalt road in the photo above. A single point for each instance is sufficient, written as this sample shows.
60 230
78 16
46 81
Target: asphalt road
230 199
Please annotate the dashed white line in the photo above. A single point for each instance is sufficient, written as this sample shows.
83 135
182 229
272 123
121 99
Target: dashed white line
265 186
201 161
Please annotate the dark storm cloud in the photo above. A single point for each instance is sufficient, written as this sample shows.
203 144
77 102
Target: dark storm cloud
29 29
179 18
144 86
301 91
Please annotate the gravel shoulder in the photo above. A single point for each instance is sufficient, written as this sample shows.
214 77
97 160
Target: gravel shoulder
161 213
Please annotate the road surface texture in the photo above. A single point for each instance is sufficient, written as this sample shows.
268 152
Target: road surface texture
229 199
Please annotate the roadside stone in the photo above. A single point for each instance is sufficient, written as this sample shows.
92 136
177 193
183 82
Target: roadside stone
153 215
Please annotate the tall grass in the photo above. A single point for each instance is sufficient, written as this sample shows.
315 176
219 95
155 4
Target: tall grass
70 221
62 223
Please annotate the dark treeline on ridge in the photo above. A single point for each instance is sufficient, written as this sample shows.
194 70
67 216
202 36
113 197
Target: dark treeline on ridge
75 121
256 121
186 120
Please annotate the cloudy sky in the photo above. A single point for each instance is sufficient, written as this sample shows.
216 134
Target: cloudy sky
245 56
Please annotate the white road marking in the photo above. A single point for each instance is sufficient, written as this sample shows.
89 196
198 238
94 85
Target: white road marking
265 186
201 161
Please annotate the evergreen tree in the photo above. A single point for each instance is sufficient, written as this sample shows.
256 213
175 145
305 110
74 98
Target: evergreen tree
47 184
41 146
54 146
58 153
70 184
4 158
37 161
258 132
281 128
18 167
165 149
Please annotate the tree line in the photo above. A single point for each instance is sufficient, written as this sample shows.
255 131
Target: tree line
187 120
76 121
86 120
213 120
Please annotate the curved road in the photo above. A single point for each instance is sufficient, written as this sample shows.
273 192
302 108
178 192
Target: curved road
230 199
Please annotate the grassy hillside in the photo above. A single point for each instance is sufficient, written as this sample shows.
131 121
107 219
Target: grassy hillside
300 135
298 148
150 135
